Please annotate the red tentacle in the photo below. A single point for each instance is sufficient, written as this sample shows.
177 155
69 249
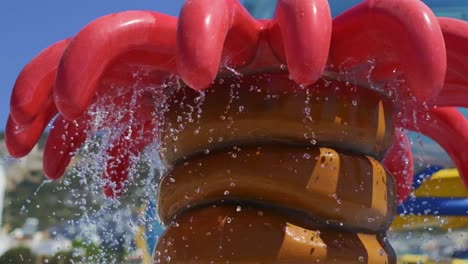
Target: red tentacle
33 88
117 170
21 139
205 29
456 80
123 39
399 161
448 127
402 36
64 139
130 144
305 27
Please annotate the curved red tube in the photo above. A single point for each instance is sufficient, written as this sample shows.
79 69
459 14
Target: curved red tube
147 38
305 27
130 144
456 80
401 36
34 86
448 127
21 139
399 161
207 31
64 139
117 168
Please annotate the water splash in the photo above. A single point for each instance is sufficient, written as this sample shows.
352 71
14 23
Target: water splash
114 222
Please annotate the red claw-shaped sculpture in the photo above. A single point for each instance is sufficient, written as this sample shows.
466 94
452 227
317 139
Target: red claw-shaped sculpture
401 37
122 75
398 48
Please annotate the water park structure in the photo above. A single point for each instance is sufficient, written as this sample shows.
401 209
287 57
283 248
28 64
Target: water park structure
282 140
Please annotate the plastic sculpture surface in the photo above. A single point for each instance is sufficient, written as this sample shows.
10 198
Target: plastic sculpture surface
283 139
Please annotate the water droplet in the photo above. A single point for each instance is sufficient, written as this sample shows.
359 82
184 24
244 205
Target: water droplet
381 251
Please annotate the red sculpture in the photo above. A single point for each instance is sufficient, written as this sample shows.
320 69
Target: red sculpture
415 61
